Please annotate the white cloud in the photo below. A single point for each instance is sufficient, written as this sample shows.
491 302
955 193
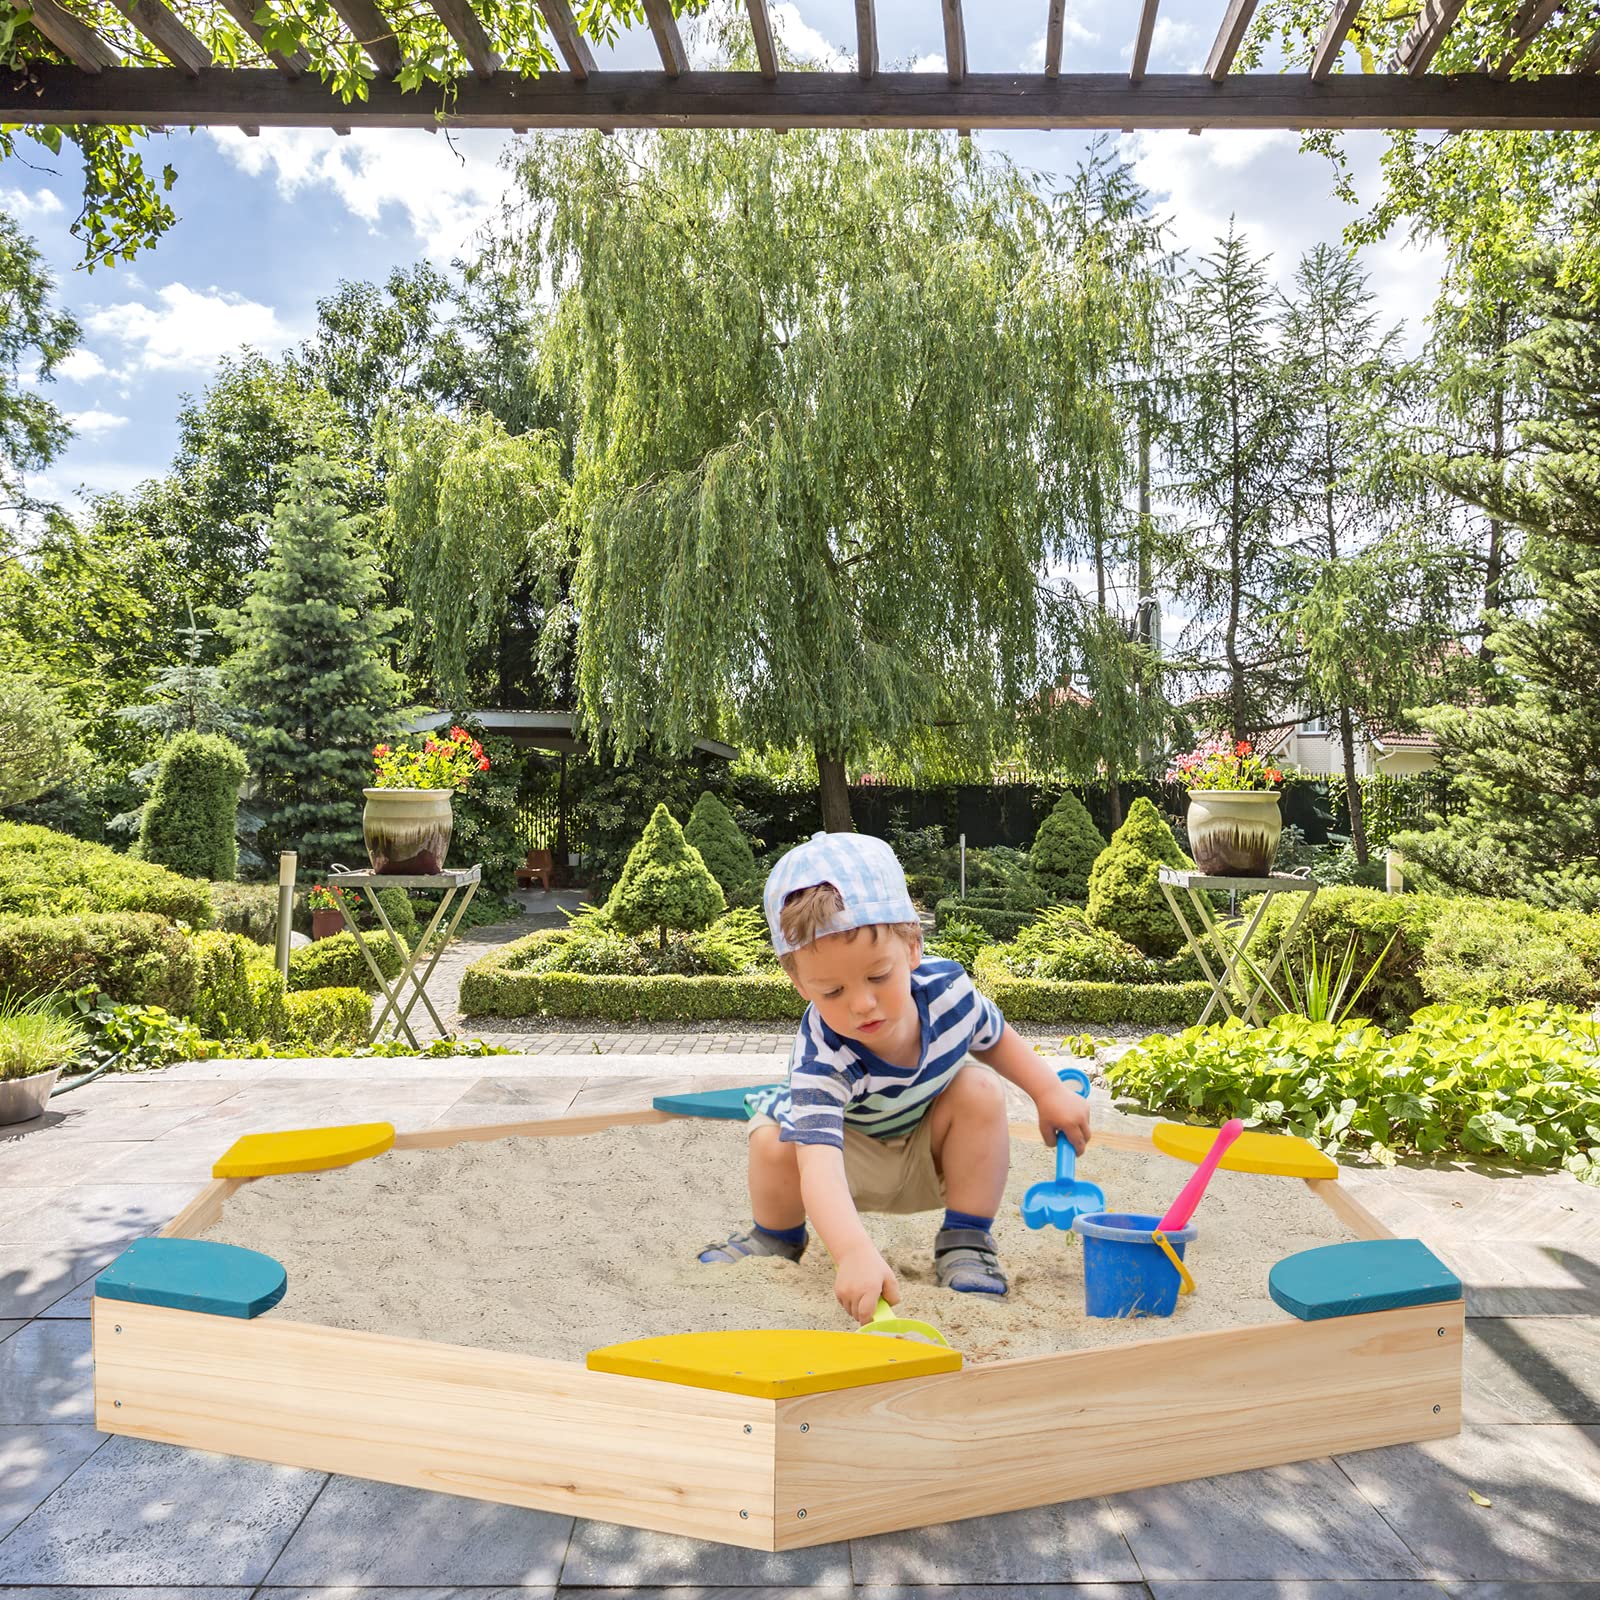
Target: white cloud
1174 47
802 40
25 207
934 61
81 366
189 329
94 424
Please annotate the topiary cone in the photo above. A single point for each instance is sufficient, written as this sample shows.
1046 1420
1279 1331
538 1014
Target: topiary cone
1066 848
665 883
1124 892
724 849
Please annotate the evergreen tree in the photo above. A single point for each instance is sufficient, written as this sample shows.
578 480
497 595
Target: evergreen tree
192 812
311 670
665 884
1066 848
1124 894
723 847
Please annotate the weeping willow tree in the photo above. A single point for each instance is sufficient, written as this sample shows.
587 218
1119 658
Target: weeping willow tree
807 483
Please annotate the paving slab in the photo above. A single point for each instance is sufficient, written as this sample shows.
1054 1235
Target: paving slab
34 1276
1522 1591
34 1461
1298 1521
80 1118
365 1533
100 1592
76 1302
174 1158
96 1213
1543 1485
50 1158
47 1374
349 1591
1005 1591
1303 1589
603 1555
1532 1369
143 1514
1504 1279
1080 1541
8 1327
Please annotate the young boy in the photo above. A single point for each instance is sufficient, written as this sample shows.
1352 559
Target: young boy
880 1113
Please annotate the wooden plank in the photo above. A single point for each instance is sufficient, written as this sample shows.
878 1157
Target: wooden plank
1427 33
1055 27
1333 37
866 39
77 41
167 34
1589 61
1347 1208
573 46
669 42
761 29
202 1211
1012 1434
1229 37
142 96
1141 44
463 26
486 1424
243 12
955 43
1531 19
372 32
546 1127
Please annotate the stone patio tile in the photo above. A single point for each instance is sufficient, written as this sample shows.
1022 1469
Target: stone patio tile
1078 1541
101 1593
160 1090
1524 1280
539 1591
1303 1589
94 1213
366 1103
53 1159
1522 1591
1543 1484
603 1554
624 1094
365 1533
47 1374
521 1091
1532 1369
33 1276
34 1461
139 1513
171 1159
1299 1521
81 1118
75 1303
8 1328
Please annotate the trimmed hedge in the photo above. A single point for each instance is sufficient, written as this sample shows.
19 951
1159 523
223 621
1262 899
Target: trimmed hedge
193 808
996 921
239 993
319 1019
247 908
134 957
1142 1004
337 963
45 873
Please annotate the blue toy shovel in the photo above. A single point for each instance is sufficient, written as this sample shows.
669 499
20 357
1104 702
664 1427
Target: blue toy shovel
1058 1202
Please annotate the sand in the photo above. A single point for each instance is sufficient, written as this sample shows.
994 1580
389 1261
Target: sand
555 1246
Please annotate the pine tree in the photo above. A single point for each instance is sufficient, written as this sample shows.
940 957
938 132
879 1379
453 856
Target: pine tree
722 846
665 884
1066 848
1124 894
311 670
190 817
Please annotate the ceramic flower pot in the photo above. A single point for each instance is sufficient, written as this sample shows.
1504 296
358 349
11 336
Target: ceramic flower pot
407 830
1234 832
23 1099
324 924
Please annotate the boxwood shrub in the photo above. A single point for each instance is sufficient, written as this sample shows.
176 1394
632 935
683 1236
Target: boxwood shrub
135 957
337 963
247 908
45 873
239 993
1139 1004
320 1019
998 922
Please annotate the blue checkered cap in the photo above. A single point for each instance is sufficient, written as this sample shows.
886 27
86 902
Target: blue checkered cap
864 870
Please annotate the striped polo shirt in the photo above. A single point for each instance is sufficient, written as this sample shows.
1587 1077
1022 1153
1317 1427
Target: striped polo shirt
833 1079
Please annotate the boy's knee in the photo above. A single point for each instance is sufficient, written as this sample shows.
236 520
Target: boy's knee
981 1091
767 1146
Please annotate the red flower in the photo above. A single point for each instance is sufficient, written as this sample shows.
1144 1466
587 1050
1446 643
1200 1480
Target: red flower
458 733
1243 748
1273 775
483 763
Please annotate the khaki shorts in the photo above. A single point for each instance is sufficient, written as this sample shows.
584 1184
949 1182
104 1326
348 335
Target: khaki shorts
891 1175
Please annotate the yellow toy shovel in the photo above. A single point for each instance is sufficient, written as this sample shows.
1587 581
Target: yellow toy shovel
890 1326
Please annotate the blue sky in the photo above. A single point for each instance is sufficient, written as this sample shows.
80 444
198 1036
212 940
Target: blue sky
269 225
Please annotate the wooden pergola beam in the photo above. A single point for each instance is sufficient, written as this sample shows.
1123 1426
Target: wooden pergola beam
1141 43
77 41
55 94
574 48
1589 61
955 41
1333 37
372 32
866 39
244 13
1229 37
1055 28
1421 44
761 28
669 42
1530 21
463 26
167 34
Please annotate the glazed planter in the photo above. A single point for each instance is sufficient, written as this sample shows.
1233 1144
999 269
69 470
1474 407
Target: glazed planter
324 924
407 830
1233 833
23 1099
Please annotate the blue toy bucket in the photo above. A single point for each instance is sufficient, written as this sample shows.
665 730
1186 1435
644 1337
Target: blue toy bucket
1126 1273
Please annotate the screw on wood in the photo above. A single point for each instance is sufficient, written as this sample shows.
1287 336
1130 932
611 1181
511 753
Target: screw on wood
1436 1410
119 1327
744 1516
805 1427
801 1513
748 1428
117 1404
1441 1333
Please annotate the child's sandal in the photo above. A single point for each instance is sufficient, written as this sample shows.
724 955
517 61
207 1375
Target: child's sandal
966 1261
753 1243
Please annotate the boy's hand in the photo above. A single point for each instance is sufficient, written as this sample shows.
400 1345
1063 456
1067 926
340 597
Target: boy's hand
1066 1112
863 1275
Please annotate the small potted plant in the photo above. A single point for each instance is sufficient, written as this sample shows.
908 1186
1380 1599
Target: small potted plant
407 822
35 1043
1233 808
326 918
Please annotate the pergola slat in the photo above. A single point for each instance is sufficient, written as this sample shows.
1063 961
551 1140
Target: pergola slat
468 33
1332 40
244 13
761 27
669 42
866 39
373 33
1421 44
1054 29
955 42
573 46
56 94
1530 21
1229 37
1141 45
1590 60
77 41
167 34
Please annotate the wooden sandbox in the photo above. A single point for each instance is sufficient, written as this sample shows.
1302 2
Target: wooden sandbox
773 1474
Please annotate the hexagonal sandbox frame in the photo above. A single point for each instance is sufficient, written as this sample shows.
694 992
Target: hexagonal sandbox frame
773 1474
